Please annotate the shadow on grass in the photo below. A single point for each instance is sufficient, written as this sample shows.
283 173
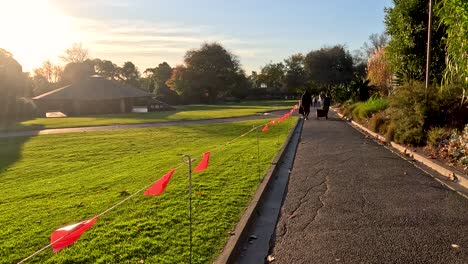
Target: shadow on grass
11 144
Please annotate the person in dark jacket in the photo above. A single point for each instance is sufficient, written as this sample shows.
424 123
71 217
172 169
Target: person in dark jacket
326 102
306 101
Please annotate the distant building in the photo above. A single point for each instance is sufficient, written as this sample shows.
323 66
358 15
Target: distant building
96 95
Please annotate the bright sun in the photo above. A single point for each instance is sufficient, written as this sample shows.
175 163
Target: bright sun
34 31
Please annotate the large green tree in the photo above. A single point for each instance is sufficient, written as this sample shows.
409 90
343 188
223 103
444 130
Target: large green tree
209 73
272 76
295 78
180 82
160 76
106 69
129 74
329 67
406 24
157 83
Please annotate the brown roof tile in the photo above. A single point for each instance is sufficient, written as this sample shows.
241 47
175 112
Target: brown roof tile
93 88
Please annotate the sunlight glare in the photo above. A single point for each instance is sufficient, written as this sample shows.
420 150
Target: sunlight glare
34 31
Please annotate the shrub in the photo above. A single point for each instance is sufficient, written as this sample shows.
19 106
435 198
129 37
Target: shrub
408 110
364 110
348 109
390 132
435 136
457 147
379 122
450 110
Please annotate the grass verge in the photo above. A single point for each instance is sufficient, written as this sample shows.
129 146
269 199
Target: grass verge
184 112
53 180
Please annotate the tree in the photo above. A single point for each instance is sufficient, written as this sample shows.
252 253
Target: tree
106 69
240 85
329 67
208 74
180 82
76 54
129 74
361 56
295 78
46 71
157 83
254 80
160 75
406 24
378 71
13 86
47 77
272 75
376 41
49 71
76 71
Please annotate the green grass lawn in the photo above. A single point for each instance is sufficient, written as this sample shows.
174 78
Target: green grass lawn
50 181
184 112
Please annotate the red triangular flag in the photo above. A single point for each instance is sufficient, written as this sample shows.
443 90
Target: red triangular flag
203 163
66 236
265 128
158 187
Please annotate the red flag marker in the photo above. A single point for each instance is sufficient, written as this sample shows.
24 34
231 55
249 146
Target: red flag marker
203 163
66 236
158 187
272 122
265 128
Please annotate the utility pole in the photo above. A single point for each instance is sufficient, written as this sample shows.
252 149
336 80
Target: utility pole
428 55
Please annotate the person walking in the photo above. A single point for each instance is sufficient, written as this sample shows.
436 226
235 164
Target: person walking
306 101
326 102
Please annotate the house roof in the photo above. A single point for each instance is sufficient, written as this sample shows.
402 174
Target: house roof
93 88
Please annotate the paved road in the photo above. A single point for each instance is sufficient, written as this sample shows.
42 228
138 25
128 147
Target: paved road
350 200
271 114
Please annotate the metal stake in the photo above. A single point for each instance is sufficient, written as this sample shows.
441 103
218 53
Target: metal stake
187 159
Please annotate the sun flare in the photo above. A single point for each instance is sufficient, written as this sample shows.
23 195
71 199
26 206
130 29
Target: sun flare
34 31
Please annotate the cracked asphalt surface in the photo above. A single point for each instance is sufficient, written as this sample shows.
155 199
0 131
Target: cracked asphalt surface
350 200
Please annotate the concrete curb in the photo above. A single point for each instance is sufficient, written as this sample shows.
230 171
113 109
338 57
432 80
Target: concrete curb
450 175
232 249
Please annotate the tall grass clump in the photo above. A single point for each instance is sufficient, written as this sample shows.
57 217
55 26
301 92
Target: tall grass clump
364 110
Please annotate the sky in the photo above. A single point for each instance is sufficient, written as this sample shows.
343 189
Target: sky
148 32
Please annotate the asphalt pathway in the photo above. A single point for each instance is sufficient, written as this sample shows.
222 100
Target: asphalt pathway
350 200
272 114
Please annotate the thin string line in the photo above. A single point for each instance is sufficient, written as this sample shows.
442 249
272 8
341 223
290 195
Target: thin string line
140 190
